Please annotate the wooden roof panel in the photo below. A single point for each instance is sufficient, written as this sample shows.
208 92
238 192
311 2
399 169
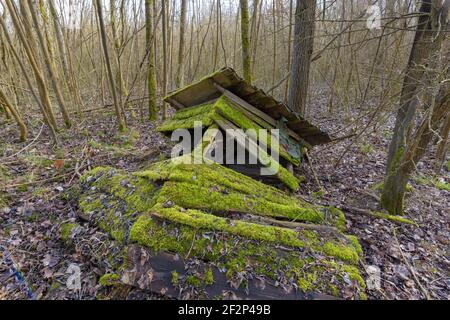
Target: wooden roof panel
205 90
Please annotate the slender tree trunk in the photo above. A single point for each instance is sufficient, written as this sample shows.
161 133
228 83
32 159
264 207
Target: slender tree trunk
180 71
246 54
395 183
443 145
274 39
427 42
164 40
39 102
303 47
253 37
117 105
15 114
151 76
49 65
291 7
63 55
28 45
117 48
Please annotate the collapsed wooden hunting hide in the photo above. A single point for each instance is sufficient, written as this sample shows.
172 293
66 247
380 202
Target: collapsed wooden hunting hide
205 231
225 101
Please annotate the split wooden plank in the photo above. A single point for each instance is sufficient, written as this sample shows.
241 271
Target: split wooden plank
154 272
175 103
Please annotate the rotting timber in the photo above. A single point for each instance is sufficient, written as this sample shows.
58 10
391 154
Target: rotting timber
225 101
208 231
205 231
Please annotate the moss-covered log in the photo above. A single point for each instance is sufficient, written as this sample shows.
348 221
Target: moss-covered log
189 211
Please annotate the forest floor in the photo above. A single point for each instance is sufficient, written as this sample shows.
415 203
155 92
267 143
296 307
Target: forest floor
36 180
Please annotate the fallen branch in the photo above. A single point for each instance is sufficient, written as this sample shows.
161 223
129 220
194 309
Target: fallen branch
416 279
379 215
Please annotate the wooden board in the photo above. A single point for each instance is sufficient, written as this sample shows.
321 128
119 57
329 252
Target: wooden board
153 272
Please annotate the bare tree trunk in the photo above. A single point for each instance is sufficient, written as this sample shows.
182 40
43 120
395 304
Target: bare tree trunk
49 66
63 55
180 71
13 110
301 55
28 45
39 102
117 48
274 38
151 76
395 184
164 38
117 106
246 54
427 42
286 90
443 145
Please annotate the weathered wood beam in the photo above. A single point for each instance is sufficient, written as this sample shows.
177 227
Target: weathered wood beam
154 273
175 103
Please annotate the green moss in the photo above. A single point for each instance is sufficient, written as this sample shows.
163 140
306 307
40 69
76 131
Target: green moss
143 232
307 283
171 125
209 277
441 185
175 278
193 281
379 187
230 111
436 183
353 240
343 252
66 230
398 219
219 189
109 279
132 194
366 148
335 215
237 254
187 113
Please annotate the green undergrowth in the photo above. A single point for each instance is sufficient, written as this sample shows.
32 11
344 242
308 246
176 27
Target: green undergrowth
66 231
109 279
433 182
189 210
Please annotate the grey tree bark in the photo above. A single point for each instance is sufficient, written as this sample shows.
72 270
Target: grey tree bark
427 42
303 47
